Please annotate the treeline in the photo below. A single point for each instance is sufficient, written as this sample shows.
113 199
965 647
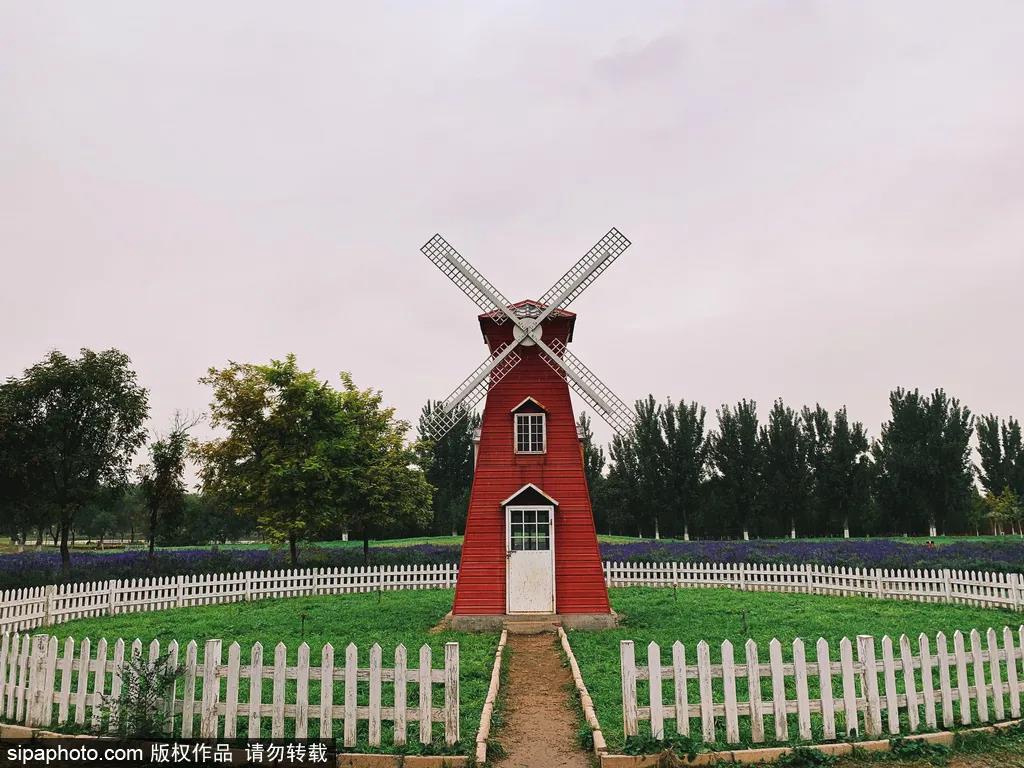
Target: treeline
801 472
807 471
295 459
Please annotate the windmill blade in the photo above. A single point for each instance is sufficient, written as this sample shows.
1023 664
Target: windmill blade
612 244
473 388
586 384
463 274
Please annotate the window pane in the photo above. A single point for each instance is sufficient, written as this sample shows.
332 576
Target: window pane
517 543
544 542
517 516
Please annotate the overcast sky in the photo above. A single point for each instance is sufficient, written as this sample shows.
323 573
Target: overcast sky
826 200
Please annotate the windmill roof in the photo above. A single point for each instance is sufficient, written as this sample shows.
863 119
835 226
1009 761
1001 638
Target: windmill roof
528 308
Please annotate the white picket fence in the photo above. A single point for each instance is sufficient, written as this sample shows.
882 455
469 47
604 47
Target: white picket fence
31 607
826 698
990 590
45 682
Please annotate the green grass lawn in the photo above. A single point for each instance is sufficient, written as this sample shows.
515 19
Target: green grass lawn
388 618
714 615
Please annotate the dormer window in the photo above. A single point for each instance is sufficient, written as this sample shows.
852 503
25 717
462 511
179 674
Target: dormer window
530 427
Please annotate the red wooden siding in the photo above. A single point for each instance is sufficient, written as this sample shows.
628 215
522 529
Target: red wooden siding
500 472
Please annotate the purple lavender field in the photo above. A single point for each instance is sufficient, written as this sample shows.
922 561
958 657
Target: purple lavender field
32 568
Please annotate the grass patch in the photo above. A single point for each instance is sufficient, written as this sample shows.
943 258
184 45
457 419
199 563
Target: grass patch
388 618
666 615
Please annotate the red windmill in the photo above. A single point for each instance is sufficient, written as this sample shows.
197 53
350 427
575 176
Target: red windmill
530 546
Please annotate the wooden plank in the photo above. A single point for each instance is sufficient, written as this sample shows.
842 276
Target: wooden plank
188 698
980 686
909 684
707 702
995 674
99 682
962 684
426 696
172 664
255 689
869 685
302 692
82 684
892 710
778 690
401 696
1012 680
680 692
754 703
654 690
732 722
21 690
351 681
231 691
327 691
66 662
828 713
277 702
5 649
945 680
376 661
115 679
451 693
927 681
803 702
627 669
211 690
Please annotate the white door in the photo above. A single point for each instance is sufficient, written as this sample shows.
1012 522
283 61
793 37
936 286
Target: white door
531 559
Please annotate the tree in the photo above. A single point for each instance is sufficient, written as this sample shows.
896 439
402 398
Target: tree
448 465
735 454
76 423
387 487
593 470
1001 450
1003 510
622 486
685 459
649 451
923 468
840 470
784 452
162 481
301 457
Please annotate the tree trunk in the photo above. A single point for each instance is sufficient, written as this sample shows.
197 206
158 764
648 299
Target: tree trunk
152 533
686 532
293 550
366 547
65 552
39 537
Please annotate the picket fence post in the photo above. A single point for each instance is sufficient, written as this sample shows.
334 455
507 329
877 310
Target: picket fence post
451 693
869 685
111 597
947 586
49 598
627 663
1015 590
179 592
39 699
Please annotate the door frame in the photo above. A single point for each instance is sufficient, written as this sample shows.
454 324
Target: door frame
509 509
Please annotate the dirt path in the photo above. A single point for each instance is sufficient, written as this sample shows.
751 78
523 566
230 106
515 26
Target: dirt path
540 730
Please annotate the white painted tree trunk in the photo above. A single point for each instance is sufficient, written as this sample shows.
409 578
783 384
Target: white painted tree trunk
686 533
792 532
657 531
746 535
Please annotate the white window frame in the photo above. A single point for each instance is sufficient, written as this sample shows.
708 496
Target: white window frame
550 509
543 432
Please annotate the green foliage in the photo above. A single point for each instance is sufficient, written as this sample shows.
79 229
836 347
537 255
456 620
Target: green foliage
69 428
1001 449
734 450
805 757
916 749
786 495
923 468
303 458
140 711
448 466
162 481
